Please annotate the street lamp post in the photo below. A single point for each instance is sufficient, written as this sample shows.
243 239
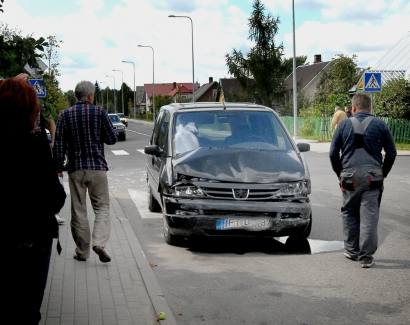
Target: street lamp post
153 79
115 100
192 46
134 90
295 98
101 94
122 88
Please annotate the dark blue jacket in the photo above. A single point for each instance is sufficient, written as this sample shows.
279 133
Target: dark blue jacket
376 137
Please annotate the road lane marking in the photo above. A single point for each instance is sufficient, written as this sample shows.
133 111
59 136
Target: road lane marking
120 152
66 187
140 200
147 135
141 151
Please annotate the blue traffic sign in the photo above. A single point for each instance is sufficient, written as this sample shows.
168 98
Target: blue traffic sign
39 86
372 82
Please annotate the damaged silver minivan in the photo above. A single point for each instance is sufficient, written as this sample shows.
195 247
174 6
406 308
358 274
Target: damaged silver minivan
227 169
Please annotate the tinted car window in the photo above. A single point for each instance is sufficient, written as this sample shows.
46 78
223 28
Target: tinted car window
229 129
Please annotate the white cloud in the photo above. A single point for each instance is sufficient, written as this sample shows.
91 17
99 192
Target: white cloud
95 39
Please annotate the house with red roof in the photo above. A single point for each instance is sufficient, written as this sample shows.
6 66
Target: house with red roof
180 92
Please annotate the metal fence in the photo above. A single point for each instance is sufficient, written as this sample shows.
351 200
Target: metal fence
320 128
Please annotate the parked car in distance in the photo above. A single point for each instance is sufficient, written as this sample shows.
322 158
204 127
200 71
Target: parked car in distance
119 127
123 119
227 169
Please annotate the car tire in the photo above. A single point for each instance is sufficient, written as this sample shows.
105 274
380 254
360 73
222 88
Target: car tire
169 238
305 232
123 137
153 205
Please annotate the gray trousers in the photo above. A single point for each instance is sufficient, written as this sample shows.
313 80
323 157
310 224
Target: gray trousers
360 213
96 183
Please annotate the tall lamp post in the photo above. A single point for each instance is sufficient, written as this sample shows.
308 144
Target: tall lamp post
122 88
101 94
115 100
134 90
153 79
295 97
192 45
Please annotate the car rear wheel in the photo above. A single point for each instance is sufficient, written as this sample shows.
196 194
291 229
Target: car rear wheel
153 205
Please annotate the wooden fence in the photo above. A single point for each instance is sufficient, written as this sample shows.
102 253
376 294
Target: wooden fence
320 128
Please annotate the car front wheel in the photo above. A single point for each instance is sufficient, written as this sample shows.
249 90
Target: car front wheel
169 238
305 232
153 205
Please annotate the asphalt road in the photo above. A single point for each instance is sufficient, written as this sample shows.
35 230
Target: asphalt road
275 281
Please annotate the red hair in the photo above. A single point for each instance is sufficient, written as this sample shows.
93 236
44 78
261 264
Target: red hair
19 104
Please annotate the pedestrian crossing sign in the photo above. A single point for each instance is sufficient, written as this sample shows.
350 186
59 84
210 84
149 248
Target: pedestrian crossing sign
372 82
39 86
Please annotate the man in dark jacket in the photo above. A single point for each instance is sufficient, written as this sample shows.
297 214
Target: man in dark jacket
81 133
356 157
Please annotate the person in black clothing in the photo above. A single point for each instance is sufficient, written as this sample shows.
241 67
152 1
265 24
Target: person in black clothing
31 195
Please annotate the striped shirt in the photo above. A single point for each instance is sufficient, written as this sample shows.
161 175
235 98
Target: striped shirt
81 133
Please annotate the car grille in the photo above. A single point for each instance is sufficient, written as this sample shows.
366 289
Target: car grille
227 193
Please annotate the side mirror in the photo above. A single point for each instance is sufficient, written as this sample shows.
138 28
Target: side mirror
303 147
153 150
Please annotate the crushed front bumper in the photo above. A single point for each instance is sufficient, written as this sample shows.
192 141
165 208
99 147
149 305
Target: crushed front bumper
186 217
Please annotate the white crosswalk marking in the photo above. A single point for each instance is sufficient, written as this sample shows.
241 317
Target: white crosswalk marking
66 187
140 200
120 152
141 151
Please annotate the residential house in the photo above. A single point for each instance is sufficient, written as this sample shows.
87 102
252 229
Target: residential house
140 99
307 79
178 91
231 90
207 92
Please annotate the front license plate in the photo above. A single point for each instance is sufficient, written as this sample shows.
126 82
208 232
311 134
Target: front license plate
253 224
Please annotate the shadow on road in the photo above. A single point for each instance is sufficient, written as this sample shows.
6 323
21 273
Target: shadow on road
391 264
243 245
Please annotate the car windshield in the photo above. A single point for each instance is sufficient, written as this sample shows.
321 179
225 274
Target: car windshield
114 118
239 129
120 114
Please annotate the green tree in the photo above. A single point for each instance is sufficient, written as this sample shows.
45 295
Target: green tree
161 100
16 51
394 99
128 98
336 81
55 100
51 55
70 97
263 63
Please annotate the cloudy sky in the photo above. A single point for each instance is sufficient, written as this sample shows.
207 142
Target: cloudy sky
98 34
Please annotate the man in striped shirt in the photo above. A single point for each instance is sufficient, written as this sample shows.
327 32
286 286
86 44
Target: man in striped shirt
81 133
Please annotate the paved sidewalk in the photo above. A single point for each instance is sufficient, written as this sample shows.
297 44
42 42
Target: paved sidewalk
124 291
324 147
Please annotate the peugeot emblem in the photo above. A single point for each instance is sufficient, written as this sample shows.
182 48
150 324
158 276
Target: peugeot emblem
240 193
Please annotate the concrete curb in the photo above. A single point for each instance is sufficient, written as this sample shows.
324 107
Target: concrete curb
154 291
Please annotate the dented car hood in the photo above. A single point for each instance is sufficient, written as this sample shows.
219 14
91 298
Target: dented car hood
239 165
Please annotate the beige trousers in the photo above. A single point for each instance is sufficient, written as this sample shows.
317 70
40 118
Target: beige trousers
96 183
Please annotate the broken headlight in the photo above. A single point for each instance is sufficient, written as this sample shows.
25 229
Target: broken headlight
186 191
301 188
